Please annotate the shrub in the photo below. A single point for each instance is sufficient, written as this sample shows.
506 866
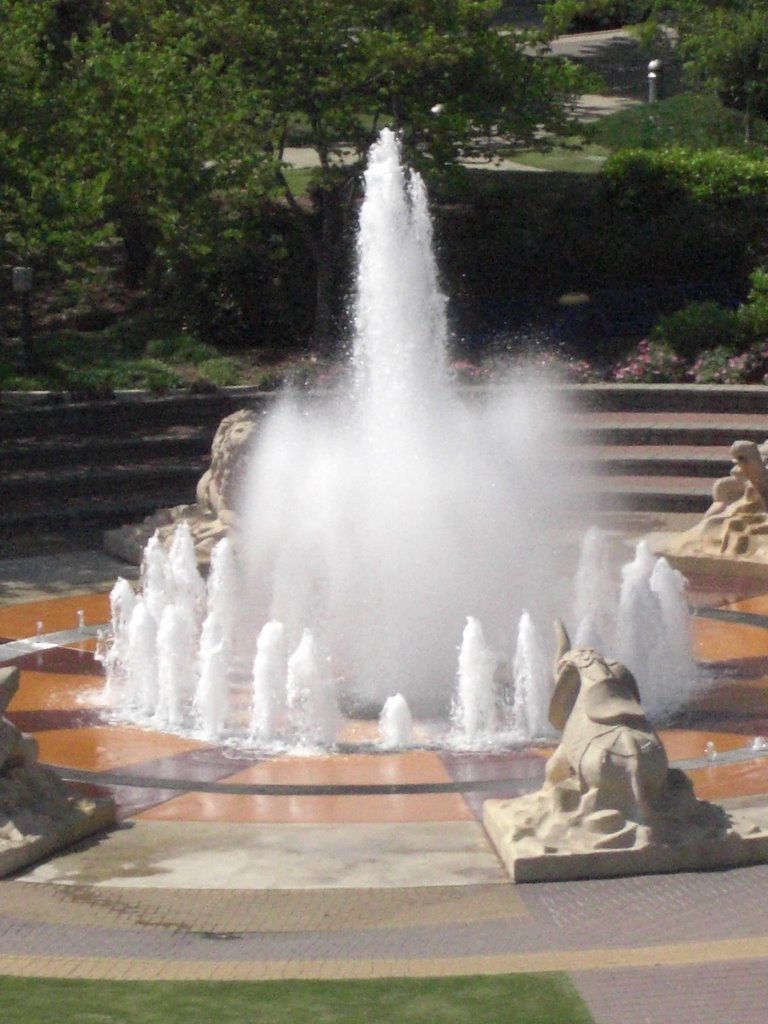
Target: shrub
180 348
724 366
698 326
652 178
651 362
753 315
88 385
690 120
151 374
15 382
563 367
222 372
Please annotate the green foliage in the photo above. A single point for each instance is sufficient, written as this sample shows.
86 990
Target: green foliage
724 366
649 178
84 385
12 381
700 325
176 133
222 372
180 348
86 382
753 315
650 362
51 208
589 15
726 46
694 121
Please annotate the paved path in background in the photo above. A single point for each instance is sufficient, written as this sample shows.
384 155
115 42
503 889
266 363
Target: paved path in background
614 53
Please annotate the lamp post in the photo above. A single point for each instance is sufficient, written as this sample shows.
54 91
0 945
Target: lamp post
22 285
655 80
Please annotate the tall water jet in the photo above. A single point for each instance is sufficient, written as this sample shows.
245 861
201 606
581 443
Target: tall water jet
156 581
593 614
187 589
379 517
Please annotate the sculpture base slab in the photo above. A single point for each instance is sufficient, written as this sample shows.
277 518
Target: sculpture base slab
88 817
525 864
705 563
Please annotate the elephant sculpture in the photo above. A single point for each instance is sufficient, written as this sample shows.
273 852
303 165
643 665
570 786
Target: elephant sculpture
607 744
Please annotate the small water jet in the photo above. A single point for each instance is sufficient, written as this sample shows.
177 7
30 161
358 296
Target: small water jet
395 723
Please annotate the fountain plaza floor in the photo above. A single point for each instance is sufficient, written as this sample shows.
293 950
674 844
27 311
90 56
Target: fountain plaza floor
228 866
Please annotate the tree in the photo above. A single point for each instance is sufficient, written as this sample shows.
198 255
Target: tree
435 70
723 44
168 123
331 73
52 215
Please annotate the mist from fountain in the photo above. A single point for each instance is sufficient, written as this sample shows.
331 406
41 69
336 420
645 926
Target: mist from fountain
375 525
381 518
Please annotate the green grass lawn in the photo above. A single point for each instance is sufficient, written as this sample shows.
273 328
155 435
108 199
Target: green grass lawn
497 999
573 158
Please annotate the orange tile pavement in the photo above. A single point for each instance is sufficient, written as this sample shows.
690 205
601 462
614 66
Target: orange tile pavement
757 604
714 640
718 782
109 747
687 743
312 810
19 620
413 767
41 691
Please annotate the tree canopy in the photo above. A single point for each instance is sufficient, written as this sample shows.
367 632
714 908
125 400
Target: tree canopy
167 124
722 44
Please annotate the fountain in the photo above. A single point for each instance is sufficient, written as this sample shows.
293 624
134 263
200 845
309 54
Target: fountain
374 525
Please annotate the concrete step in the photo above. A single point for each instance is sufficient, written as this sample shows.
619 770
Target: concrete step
642 447
712 430
123 418
96 510
729 399
653 460
166 475
181 443
655 493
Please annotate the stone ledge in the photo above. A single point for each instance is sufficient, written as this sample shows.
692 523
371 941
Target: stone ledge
734 850
89 816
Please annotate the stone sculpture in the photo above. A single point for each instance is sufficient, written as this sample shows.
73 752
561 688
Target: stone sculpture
735 526
39 813
212 515
610 803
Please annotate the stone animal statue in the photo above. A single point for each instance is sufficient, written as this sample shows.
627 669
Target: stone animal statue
607 743
213 515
